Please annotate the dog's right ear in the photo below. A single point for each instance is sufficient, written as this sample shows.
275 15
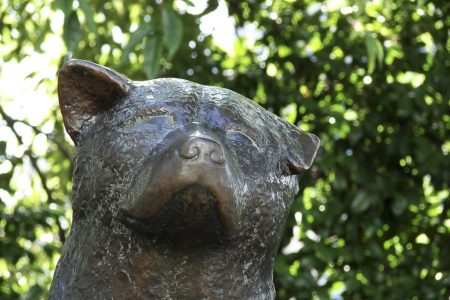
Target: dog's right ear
300 148
85 89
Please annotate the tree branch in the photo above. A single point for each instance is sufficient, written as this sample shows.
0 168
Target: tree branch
10 123
51 137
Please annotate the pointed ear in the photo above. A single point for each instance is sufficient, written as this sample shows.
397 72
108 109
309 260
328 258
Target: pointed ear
301 149
85 89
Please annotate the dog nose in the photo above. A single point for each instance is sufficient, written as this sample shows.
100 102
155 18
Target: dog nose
199 147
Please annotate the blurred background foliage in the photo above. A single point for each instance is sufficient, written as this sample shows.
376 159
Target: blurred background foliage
370 78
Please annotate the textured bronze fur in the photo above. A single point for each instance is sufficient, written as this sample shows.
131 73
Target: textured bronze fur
181 190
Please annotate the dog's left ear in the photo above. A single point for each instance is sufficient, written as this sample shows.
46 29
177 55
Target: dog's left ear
300 148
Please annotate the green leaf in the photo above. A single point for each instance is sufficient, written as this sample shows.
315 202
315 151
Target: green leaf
361 202
152 56
2 147
72 31
64 5
375 249
340 182
5 179
212 6
281 266
361 7
189 2
337 287
375 52
380 53
371 53
88 13
136 38
172 30
399 205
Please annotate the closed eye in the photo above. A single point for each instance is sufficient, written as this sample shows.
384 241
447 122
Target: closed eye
242 137
157 117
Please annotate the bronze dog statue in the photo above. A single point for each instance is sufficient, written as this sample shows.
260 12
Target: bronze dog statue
181 190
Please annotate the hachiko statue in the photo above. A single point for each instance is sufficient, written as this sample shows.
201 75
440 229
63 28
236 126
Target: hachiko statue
181 190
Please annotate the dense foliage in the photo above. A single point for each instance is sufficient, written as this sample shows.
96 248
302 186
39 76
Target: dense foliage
370 78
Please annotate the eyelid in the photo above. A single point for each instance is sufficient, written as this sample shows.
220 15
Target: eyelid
246 135
156 112
146 115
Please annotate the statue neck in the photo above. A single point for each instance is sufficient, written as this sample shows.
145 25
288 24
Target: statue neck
214 273
120 266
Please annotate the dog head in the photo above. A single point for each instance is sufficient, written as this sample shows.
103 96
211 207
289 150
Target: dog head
179 161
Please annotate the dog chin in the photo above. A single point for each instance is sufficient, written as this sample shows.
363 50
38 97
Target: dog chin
190 217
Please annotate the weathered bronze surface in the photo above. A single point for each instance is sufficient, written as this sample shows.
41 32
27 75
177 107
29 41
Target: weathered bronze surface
181 190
